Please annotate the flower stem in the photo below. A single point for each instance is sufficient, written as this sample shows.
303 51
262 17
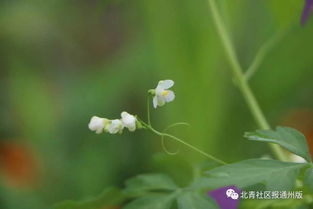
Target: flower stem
148 110
240 78
259 57
194 148
183 142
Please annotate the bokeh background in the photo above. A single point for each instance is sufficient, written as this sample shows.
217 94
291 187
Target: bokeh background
64 61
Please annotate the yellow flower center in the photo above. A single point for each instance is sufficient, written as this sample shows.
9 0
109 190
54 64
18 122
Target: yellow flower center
165 93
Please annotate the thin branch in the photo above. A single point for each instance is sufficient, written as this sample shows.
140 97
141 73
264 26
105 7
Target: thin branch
261 54
242 82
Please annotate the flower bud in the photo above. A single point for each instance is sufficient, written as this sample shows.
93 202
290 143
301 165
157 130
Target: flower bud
151 92
115 126
97 124
129 121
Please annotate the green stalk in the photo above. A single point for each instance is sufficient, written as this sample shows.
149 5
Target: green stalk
211 157
240 78
264 50
148 110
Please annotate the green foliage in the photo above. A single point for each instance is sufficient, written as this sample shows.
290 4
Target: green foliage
108 198
149 182
274 204
274 175
191 200
160 192
45 98
289 138
152 201
308 179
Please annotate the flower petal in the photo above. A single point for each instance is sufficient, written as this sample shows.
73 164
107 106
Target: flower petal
161 100
132 127
155 101
96 124
165 84
170 96
159 90
99 131
128 121
124 114
115 126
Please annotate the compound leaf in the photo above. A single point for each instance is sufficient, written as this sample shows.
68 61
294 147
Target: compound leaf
289 138
274 175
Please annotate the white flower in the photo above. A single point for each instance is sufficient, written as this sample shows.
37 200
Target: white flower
115 126
162 94
97 124
129 121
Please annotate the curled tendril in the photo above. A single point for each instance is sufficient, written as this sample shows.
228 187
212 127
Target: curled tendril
166 150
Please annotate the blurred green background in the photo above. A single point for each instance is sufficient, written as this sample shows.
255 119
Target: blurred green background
65 61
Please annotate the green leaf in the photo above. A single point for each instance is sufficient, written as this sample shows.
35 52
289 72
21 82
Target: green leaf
270 204
149 182
106 200
189 200
289 138
152 201
308 178
274 175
